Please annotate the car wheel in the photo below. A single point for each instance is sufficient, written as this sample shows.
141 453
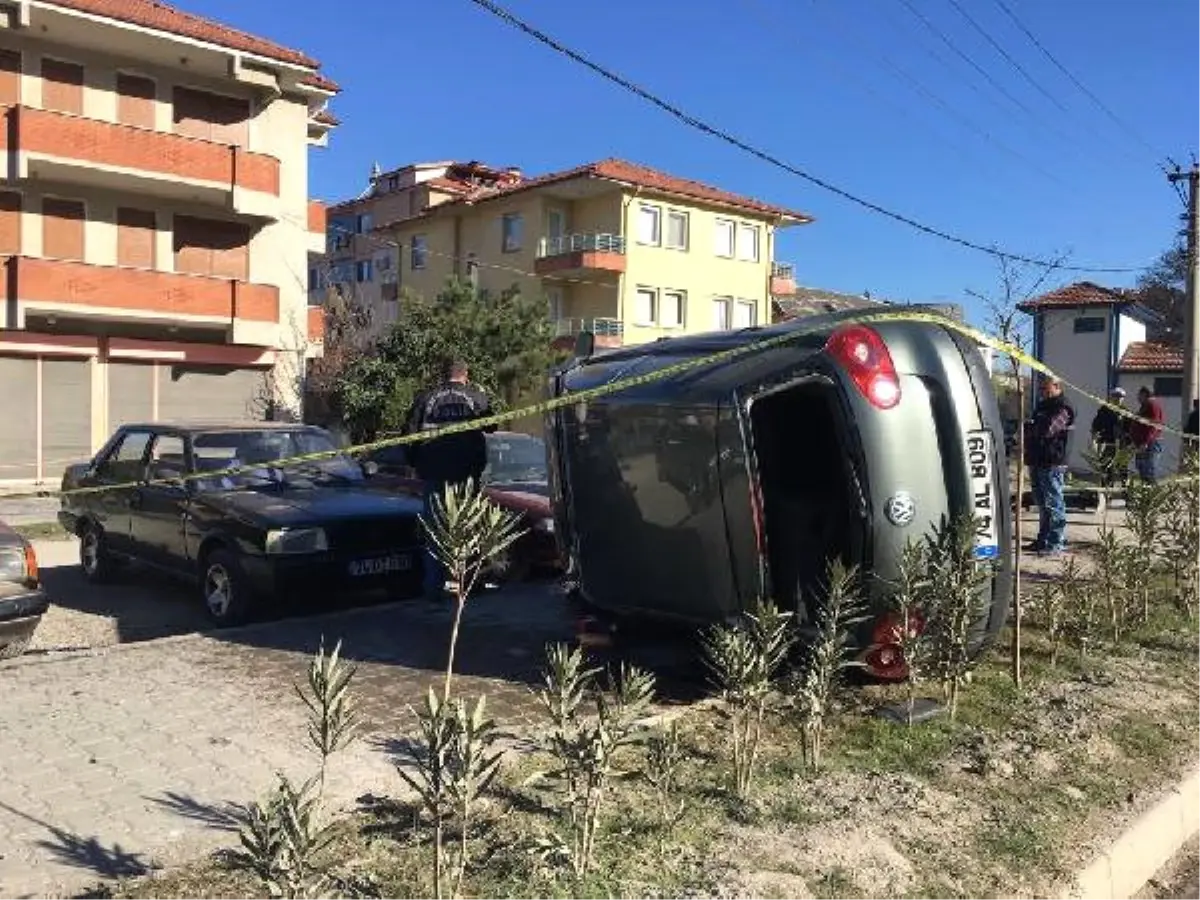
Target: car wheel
95 560
223 588
16 647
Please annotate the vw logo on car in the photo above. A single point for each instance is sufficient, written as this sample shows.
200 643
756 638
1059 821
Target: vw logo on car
900 509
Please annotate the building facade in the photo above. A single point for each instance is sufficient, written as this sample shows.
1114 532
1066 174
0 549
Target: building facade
1082 331
624 251
154 222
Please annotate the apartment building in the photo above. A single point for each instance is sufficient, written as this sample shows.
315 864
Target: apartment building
154 223
625 251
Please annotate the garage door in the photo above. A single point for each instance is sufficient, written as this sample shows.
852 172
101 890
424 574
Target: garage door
66 414
130 393
18 413
208 393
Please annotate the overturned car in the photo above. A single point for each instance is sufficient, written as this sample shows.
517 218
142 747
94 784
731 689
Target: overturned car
687 497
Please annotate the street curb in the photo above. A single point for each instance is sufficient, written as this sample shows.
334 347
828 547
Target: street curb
1147 845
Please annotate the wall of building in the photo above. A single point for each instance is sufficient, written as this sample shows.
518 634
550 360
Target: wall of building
1128 331
1082 358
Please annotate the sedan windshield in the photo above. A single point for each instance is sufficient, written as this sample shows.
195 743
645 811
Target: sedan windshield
515 458
263 457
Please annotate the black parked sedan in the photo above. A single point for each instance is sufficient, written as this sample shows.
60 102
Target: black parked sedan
266 531
22 600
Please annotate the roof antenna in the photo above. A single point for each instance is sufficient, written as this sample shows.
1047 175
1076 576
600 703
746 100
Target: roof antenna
376 170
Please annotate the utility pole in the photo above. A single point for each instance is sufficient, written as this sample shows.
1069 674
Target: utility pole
1191 318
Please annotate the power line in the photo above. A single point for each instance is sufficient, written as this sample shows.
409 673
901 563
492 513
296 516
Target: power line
699 125
1120 123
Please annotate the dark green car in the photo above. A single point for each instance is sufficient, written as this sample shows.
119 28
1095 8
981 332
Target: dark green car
686 498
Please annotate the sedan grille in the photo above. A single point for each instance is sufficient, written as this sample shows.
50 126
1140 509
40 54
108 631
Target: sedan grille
374 534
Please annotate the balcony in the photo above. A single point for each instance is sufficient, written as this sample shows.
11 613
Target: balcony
75 150
571 255
316 226
248 313
783 279
608 332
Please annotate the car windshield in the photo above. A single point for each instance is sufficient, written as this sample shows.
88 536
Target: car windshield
515 458
258 452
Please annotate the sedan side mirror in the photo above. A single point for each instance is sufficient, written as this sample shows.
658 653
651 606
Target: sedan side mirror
370 468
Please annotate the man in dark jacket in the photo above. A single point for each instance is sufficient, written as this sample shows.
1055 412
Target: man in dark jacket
1146 436
451 459
1046 450
1108 433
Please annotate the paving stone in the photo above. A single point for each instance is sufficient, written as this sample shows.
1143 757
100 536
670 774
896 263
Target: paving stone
180 729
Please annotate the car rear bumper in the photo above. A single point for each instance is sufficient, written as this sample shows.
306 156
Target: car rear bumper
20 614
330 573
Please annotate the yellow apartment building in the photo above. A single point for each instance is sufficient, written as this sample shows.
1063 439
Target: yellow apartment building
155 223
625 251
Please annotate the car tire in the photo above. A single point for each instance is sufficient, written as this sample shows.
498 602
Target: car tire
95 560
224 589
16 647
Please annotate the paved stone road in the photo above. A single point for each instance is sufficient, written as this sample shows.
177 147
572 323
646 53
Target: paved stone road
130 757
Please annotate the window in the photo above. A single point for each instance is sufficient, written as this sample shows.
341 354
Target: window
722 310
314 280
212 247
363 271
125 462
511 226
135 100
210 117
167 453
649 223
393 183
62 228
136 231
747 243
1089 325
1168 386
341 273
677 230
673 304
554 301
723 238
419 251
745 314
645 307
62 86
363 224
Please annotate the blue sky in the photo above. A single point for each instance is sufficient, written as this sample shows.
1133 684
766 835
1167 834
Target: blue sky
858 92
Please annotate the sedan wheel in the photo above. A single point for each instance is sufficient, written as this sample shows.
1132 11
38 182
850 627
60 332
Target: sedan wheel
94 559
223 588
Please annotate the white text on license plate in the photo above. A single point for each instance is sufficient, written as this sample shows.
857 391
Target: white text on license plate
381 565
983 493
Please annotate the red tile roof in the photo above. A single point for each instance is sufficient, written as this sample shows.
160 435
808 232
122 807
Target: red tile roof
1081 293
321 83
1144 356
652 179
324 117
160 16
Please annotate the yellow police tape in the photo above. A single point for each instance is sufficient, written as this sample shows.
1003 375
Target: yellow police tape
583 396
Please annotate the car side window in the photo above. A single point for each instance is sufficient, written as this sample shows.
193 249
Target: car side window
125 461
168 457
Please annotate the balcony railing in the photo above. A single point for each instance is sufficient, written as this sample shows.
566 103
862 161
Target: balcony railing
782 270
597 242
601 327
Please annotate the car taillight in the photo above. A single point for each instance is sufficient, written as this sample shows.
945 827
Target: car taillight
31 566
865 357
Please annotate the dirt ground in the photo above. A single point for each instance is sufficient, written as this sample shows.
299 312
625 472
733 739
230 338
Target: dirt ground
1178 880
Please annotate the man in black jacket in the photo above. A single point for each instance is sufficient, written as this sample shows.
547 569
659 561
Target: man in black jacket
1046 450
451 459
1109 432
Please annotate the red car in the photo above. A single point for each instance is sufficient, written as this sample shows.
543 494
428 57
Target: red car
515 479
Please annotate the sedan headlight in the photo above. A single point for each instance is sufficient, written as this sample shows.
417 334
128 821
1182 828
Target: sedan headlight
546 526
17 564
296 540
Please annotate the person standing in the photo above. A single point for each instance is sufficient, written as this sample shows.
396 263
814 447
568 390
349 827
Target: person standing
451 459
1108 433
1146 436
1046 450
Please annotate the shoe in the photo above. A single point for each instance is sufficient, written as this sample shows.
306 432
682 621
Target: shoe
1034 547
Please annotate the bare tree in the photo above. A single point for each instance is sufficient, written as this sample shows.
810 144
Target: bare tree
1017 285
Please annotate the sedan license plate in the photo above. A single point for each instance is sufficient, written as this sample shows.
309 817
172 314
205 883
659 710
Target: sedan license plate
983 493
381 565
